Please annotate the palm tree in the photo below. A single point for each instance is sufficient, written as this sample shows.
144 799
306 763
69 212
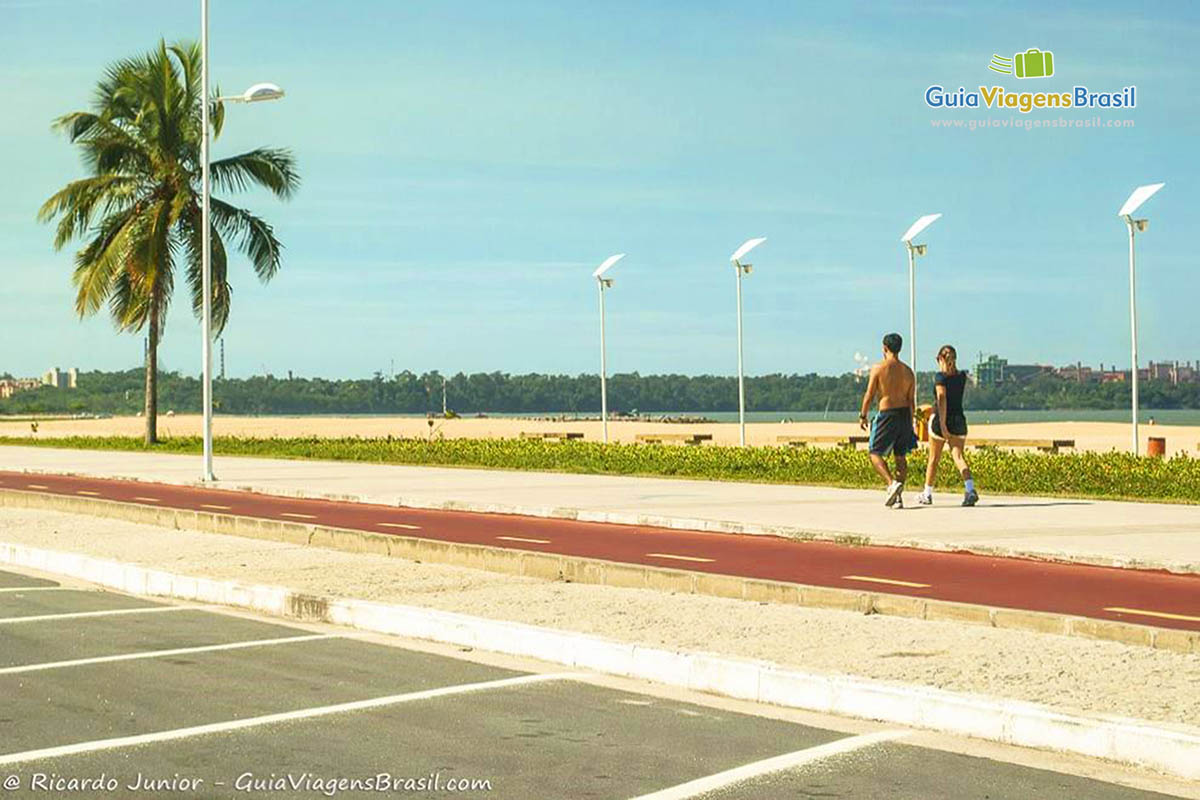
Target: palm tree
138 211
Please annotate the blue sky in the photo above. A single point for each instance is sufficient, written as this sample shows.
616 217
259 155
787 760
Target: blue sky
466 165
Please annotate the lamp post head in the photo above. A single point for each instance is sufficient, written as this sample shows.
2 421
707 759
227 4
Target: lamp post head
1140 195
260 92
918 226
746 247
607 265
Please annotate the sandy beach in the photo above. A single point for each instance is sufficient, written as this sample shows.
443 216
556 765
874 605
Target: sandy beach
1093 436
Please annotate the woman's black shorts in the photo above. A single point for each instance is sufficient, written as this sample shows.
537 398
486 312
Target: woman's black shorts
957 424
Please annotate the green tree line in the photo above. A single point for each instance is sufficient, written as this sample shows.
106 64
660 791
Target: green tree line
410 393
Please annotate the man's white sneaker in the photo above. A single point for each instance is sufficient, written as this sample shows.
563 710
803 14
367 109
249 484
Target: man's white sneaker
925 499
893 493
970 498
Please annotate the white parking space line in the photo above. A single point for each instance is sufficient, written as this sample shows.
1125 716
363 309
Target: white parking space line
296 515
211 648
400 525
86 493
720 780
272 719
16 589
148 499
522 539
83 614
216 507
37 486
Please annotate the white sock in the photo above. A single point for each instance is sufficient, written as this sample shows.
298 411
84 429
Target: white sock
970 485
928 490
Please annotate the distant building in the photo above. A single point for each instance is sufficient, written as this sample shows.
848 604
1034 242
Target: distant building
10 386
995 370
1171 371
61 380
1077 372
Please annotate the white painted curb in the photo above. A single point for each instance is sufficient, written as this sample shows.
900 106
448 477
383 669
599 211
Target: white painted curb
1172 749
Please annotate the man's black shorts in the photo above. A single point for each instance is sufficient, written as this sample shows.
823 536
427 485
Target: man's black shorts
892 432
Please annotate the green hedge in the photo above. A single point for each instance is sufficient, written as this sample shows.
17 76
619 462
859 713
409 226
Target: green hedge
1092 475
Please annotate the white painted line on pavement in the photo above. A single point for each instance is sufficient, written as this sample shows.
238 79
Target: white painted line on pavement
891 581
272 719
83 614
16 589
297 515
1159 614
681 558
148 499
79 662
399 525
522 539
216 508
86 493
36 486
720 780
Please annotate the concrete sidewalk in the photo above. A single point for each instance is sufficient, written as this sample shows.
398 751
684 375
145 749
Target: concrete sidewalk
1142 535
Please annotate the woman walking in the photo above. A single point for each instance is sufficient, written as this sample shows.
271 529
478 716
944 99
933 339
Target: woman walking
948 426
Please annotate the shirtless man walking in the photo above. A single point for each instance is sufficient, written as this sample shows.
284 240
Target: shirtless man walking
892 430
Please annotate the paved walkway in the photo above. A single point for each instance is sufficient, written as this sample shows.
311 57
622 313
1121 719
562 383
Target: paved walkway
1101 532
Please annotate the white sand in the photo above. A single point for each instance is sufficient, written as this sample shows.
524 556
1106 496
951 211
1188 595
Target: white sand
1100 436
1069 673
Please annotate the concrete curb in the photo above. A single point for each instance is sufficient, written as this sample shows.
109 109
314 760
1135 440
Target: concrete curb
1172 749
575 569
681 523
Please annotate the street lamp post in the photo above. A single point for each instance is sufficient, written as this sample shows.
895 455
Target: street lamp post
914 250
739 269
256 93
1139 196
604 283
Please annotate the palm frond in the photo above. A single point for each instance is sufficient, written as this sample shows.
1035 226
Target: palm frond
98 264
271 168
222 292
251 235
77 202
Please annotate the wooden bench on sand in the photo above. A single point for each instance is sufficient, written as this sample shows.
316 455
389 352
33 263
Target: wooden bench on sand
849 442
555 436
1045 445
682 438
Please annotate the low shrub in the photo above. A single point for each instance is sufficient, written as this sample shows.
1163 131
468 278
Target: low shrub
1092 475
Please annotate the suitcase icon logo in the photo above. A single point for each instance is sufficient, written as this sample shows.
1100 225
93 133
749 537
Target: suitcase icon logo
1033 63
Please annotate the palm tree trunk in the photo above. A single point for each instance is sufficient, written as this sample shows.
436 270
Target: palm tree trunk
152 376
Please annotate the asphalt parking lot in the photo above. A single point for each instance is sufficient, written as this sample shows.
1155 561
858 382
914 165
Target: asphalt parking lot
106 695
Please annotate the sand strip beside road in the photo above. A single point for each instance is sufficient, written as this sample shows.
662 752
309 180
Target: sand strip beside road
1096 436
